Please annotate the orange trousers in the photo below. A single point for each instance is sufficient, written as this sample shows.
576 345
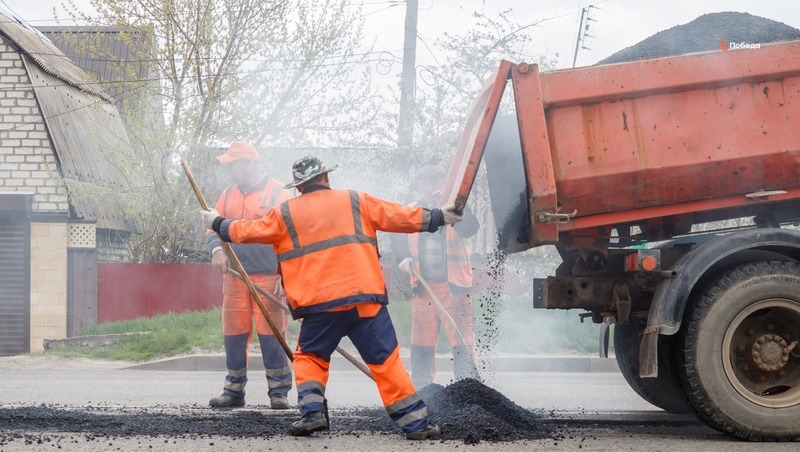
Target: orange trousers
427 319
239 309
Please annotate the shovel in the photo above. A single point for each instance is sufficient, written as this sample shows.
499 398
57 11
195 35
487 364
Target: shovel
235 260
447 317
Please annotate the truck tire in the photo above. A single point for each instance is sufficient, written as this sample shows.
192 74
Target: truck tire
742 366
665 390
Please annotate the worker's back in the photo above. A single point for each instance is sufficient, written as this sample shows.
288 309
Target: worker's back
329 254
327 246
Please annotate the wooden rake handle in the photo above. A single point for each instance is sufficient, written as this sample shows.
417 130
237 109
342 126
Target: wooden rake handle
439 306
239 268
363 368
446 315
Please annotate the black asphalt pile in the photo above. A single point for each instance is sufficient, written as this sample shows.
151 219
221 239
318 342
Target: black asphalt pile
470 411
704 34
466 410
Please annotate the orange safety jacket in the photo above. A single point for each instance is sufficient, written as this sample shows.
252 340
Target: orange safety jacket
327 246
459 270
234 203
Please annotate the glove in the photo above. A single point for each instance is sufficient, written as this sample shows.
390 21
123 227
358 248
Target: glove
450 214
208 217
406 264
219 260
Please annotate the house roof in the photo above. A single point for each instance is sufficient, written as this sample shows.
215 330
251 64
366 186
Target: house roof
86 132
47 56
112 54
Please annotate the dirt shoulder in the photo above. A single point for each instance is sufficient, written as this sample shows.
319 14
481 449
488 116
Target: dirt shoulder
31 362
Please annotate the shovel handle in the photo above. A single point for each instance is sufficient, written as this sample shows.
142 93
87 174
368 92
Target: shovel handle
439 306
447 316
227 247
283 306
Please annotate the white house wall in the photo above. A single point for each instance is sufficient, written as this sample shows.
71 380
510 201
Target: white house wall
27 164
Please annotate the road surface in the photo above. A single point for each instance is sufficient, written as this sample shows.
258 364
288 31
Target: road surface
115 409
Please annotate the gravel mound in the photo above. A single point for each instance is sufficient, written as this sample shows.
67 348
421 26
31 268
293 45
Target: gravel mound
704 33
473 412
466 410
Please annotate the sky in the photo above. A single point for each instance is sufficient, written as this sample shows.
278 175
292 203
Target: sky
615 24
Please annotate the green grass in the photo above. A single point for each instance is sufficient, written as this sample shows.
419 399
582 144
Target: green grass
508 325
171 334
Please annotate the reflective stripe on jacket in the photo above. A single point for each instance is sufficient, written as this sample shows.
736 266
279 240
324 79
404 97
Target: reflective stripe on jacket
233 203
327 246
459 270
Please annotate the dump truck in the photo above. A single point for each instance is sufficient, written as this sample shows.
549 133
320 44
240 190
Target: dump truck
670 188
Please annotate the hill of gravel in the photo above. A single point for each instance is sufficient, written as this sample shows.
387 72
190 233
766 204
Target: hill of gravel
704 34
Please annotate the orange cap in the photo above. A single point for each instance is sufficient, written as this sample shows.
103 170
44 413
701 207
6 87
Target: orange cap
239 150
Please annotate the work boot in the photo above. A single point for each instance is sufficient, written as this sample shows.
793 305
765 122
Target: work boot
429 431
279 402
233 392
226 401
422 365
312 422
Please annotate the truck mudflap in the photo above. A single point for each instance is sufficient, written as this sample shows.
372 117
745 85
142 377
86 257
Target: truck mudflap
701 265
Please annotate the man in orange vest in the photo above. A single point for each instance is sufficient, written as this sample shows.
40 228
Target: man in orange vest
327 246
442 259
252 193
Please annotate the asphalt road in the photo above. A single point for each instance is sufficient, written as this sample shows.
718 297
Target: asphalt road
166 410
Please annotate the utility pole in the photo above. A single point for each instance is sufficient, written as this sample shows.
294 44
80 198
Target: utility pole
408 80
582 31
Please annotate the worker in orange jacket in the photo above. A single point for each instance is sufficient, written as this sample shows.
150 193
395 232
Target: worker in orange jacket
252 193
443 260
327 247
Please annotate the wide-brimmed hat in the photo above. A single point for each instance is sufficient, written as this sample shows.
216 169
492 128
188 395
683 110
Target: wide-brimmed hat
306 169
239 150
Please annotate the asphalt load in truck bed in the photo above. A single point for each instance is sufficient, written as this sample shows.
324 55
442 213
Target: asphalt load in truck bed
704 34
467 411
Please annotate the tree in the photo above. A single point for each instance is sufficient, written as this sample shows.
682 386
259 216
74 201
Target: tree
448 90
273 72
452 87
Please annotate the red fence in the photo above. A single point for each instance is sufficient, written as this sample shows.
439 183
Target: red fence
127 291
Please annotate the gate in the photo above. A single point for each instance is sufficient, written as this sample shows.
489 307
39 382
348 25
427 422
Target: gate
15 265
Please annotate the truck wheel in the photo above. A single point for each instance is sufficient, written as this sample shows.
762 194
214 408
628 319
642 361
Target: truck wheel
742 363
665 390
